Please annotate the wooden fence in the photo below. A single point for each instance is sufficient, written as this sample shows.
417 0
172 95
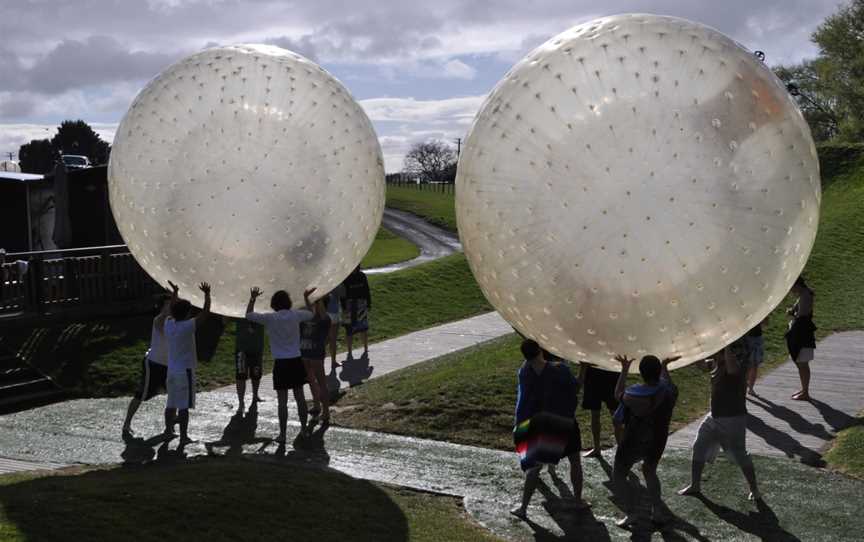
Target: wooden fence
443 188
84 281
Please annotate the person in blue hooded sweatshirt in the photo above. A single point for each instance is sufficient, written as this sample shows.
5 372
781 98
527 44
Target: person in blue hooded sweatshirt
645 412
546 429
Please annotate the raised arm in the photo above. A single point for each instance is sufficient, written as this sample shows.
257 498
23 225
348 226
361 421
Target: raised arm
730 361
205 311
306 295
166 307
622 378
253 295
664 368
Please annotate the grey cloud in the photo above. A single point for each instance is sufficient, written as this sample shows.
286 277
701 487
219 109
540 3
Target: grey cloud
93 61
16 105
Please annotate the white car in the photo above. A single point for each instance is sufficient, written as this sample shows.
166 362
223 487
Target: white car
75 161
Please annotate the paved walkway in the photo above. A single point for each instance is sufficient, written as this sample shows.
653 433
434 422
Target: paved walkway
433 242
781 427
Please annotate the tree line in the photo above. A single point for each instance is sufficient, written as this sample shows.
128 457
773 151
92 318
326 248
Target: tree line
72 137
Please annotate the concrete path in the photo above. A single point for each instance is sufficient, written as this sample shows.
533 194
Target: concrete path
419 346
433 242
781 427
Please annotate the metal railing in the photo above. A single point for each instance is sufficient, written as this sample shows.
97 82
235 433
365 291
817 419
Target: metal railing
83 281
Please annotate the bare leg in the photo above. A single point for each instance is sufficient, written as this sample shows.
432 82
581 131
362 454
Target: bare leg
750 475
349 344
282 409
322 388
576 478
241 392
595 434
695 486
302 411
532 477
652 483
623 495
804 373
752 374
332 338
619 431
313 381
130 412
170 416
256 383
183 418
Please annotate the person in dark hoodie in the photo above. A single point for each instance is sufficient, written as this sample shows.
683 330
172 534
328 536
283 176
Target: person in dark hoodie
645 412
546 428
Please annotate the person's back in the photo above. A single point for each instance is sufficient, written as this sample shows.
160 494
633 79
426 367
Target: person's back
182 351
729 390
283 328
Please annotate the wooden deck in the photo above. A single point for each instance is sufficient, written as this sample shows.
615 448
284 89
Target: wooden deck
780 427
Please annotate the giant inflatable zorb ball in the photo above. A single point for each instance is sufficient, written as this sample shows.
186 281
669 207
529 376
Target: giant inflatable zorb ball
638 184
246 166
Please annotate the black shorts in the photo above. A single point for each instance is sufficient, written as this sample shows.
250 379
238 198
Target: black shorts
288 373
153 379
599 388
248 365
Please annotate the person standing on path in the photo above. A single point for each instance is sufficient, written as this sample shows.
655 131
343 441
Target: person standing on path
645 413
283 329
154 366
358 303
248 359
334 308
755 355
546 428
726 425
182 360
599 390
313 340
800 339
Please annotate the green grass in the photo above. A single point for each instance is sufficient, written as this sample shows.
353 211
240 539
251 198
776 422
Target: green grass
847 453
222 499
469 397
103 358
389 248
436 207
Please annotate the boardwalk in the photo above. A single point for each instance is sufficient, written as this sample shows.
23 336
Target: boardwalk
781 427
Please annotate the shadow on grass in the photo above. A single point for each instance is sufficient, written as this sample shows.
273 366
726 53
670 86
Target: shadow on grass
763 523
210 498
784 442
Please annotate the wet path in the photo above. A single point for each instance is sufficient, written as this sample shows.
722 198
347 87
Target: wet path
778 426
433 242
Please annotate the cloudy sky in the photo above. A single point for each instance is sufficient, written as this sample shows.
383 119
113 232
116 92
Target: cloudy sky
420 69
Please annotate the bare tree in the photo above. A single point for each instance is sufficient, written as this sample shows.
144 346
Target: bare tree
431 161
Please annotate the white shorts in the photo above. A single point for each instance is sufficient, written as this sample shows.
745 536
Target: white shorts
335 318
805 355
729 433
181 390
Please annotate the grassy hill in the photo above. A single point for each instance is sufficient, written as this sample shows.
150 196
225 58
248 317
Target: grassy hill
436 207
468 397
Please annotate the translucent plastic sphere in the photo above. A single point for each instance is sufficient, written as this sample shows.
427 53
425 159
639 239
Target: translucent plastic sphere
246 166
638 184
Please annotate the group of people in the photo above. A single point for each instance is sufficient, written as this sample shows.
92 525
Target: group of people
547 431
299 339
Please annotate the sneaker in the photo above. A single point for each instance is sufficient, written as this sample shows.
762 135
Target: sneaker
626 522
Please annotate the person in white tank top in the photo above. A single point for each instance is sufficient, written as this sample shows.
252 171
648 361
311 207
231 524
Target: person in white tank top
154 366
